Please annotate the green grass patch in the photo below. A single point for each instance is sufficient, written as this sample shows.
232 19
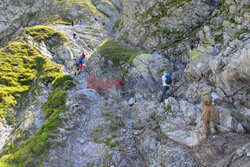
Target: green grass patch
116 25
218 28
108 142
242 13
110 50
19 64
55 100
86 4
43 33
64 82
170 108
161 31
168 44
113 127
10 116
28 153
164 9
241 31
3 164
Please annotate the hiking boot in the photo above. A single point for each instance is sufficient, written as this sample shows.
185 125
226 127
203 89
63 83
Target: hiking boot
213 132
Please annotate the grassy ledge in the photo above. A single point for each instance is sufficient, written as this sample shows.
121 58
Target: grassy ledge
28 152
91 9
43 33
20 64
111 50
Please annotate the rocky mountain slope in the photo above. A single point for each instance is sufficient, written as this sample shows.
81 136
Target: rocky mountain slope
49 117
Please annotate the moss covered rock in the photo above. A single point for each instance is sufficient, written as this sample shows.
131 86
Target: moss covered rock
116 53
47 34
20 64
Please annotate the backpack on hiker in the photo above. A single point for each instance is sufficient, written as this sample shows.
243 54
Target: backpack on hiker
81 60
207 99
168 79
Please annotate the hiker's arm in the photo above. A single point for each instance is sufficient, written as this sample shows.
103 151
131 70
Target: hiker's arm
219 98
172 83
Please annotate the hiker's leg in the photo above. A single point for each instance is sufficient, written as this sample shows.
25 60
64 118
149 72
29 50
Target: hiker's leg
212 127
205 113
164 92
204 130
211 119
162 96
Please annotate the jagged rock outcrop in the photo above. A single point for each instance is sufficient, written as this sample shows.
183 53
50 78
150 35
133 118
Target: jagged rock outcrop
19 14
158 23
203 44
208 69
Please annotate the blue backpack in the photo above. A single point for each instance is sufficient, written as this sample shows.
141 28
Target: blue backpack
168 79
81 60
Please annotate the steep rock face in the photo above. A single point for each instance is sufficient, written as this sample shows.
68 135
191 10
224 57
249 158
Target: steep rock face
129 127
214 58
220 62
30 118
18 14
157 23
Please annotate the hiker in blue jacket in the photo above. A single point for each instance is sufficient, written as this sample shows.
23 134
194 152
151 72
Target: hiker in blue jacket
76 66
166 83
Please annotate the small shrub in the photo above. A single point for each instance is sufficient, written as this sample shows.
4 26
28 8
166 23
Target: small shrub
139 127
162 32
64 82
110 50
109 142
218 28
55 100
10 116
116 25
170 108
113 127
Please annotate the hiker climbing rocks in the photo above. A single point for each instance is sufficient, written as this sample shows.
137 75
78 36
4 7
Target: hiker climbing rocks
80 23
74 35
166 83
76 66
83 56
82 60
208 113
